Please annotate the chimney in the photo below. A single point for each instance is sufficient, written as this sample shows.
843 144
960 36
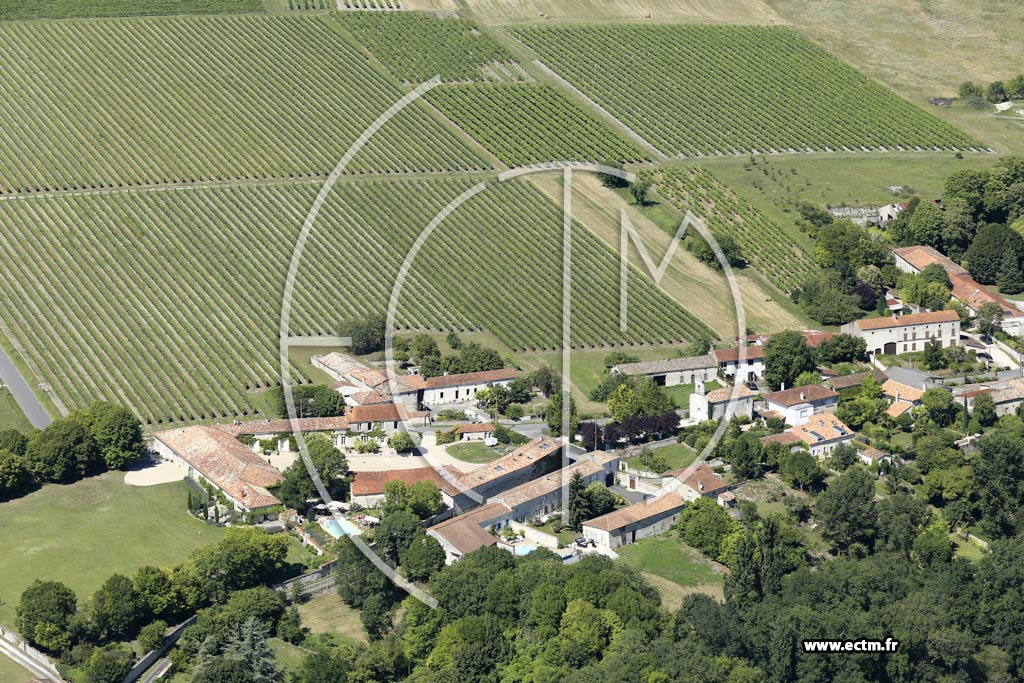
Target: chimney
782 386
802 398
700 486
894 315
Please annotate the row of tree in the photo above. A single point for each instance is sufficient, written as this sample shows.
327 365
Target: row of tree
87 442
996 91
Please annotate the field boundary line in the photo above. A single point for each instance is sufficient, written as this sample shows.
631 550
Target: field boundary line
639 139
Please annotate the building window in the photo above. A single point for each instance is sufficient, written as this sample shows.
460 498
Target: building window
441 395
913 347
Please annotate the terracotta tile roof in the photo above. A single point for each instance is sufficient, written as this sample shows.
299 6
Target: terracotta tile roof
771 413
475 428
782 437
305 424
372 483
906 320
547 484
385 412
466 532
668 365
339 363
847 381
732 355
369 398
637 512
723 394
218 456
1013 391
822 427
371 377
975 295
897 409
901 392
524 456
920 257
874 454
700 478
808 393
483 377
814 339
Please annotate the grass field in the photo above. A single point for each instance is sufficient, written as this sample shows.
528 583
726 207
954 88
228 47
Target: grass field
64 9
602 11
531 123
474 452
84 532
677 569
11 416
204 270
125 102
746 88
10 672
328 614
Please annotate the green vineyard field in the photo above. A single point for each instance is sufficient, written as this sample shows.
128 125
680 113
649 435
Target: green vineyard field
111 103
168 301
763 243
67 9
531 123
700 90
417 46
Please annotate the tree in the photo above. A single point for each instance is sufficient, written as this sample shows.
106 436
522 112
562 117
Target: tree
63 452
934 358
999 471
939 405
357 577
15 476
933 546
553 415
842 348
899 518
577 502
1015 87
514 412
786 355
117 432
984 410
422 498
745 455
310 400
244 557
623 403
13 441
423 558
989 318
109 665
599 500
376 616
801 468
995 92
705 524
395 533
926 225
970 89
331 466
844 456
115 608
640 188
223 671
322 667
248 643
986 257
367 333
151 637
402 442
847 508
453 340
45 603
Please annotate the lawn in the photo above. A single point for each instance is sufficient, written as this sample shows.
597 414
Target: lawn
10 672
676 455
11 416
565 537
475 452
967 549
289 657
82 533
676 563
328 614
680 393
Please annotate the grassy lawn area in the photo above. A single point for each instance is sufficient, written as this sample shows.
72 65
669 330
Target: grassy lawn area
904 440
564 537
289 657
11 416
680 393
10 672
475 452
674 568
676 455
84 532
966 549
328 614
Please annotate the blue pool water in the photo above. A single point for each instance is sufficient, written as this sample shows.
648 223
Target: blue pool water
521 549
340 528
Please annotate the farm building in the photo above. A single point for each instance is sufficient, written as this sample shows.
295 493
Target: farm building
635 522
477 431
698 481
544 494
673 371
529 461
368 487
1007 395
212 455
841 383
796 405
902 334
281 430
462 387
463 534
822 433
749 369
713 405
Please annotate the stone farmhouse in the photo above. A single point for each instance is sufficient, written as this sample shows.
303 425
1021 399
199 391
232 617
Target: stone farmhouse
698 481
367 487
635 522
820 435
795 406
906 333
462 388
214 456
713 405
531 460
463 534
673 371
749 369
543 495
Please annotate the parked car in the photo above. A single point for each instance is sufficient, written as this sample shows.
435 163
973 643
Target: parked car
986 339
985 357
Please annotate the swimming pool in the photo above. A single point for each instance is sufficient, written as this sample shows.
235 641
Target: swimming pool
522 549
339 528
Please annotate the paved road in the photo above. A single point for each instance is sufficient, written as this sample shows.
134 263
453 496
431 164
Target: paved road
22 392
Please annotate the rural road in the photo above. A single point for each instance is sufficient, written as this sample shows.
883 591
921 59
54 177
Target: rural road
22 392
